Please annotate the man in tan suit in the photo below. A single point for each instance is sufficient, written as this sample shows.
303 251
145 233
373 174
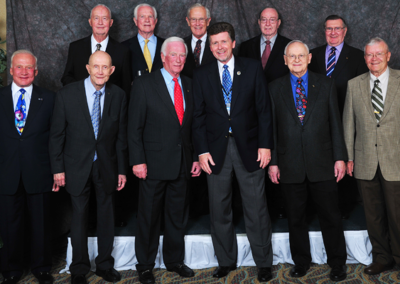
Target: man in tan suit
371 123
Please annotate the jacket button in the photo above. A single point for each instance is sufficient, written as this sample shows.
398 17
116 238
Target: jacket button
226 136
229 119
376 145
378 125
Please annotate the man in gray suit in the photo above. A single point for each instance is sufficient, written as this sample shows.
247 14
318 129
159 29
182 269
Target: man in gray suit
371 128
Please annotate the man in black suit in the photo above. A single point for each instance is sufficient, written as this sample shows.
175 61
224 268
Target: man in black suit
25 175
308 158
232 131
346 62
199 53
145 46
88 149
161 152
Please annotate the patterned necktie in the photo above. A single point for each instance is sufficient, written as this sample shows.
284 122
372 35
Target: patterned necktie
98 46
178 101
147 55
377 100
330 66
96 117
196 53
266 53
227 90
20 112
301 100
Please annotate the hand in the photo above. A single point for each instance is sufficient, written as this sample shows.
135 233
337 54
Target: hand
140 170
196 169
264 157
204 160
59 181
121 182
274 174
340 170
350 167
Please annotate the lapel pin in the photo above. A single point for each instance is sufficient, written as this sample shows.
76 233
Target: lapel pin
347 58
238 72
40 99
188 91
313 86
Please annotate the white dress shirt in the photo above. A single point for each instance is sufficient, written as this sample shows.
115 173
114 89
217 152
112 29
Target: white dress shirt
203 45
103 44
16 93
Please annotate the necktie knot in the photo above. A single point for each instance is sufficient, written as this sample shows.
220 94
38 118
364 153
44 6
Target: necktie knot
199 41
146 41
22 91
299 81
226 67
267 42
333 48
97 93
175 80
98 46
376 82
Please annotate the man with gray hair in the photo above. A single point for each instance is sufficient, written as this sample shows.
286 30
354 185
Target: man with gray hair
371 131
161 153
309 158
25 174
145 46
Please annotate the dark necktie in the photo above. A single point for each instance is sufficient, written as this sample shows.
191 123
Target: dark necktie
266 53
98 46
178 101
301 100
330 66
377 100
196 53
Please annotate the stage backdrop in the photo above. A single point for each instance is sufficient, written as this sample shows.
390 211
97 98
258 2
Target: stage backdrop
46 27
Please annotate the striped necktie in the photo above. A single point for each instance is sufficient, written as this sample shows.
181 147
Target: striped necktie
96 117
377 100
330 66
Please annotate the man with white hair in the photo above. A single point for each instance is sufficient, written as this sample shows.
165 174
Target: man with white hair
145 46
161 153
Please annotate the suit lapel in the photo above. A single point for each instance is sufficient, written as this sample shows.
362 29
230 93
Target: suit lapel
35 104
215 83
366 94
188 101
207 54
82 101
342 61
278 46
190 56
87 51
237 81
6 102
106 108
320 57
287 95
139 56
157 56
393 86
312 94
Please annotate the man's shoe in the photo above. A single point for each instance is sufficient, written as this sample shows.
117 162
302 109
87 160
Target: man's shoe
78 279
146 277
11 280
109 275
299 270
222 271
44 277
376 268
264 274
182 269
338 273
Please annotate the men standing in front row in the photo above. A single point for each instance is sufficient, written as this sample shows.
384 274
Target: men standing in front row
25 175
145 46
88 149
342 62
371 129
199 53
308 159
232 131
161 152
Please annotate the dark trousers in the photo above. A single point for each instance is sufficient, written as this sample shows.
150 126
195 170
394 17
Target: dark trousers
325 197
381 200
155 196
79 225
13 232
257 221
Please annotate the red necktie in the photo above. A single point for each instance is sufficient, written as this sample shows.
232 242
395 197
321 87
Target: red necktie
178 101
266 53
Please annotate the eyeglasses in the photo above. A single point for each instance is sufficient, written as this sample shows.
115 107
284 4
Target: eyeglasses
200 20
271 20
377 55
294 57
336 29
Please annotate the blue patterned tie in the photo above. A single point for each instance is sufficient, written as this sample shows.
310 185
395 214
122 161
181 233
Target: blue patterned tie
330 66
227 90
20 112
96 117
301 100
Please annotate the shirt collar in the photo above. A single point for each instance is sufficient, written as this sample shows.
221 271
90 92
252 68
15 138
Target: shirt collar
338 48
230 63
272 40
15 89
152 38
382 77
103 43
294 78
90 89
203 38
168 77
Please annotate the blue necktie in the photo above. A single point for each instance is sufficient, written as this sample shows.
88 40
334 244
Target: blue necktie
330 66
96 117
20 112
227 90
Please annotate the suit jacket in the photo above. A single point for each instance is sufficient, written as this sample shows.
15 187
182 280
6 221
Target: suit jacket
78 56
72 140
275 67
155 136
138 63
190 65
370 143
26 156
310 149
250 117
350 64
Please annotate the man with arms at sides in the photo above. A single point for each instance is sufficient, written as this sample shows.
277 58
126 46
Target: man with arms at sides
88 149
145 46
342 62
161 152
371 130
198 19
232 131
308 158
25 174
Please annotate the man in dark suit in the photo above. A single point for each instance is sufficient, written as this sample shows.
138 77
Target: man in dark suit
232 131
88 149
342 64
308 158
145 46
199 53
25 175
161 152
268 47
